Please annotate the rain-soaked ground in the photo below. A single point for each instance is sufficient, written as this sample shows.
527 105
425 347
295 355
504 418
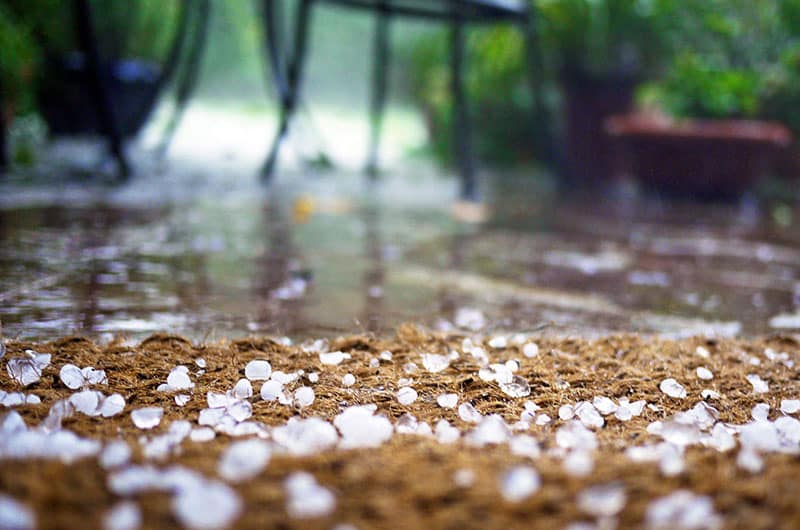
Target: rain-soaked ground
203 250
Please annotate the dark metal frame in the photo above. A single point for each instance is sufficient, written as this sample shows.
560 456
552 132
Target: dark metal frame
194 18
287 66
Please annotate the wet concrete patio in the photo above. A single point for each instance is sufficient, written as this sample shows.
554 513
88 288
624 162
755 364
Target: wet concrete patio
206 252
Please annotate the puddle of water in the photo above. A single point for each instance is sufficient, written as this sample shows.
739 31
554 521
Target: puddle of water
206 252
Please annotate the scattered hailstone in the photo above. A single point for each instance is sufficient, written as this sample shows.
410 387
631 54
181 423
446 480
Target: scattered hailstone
760 412
566 412
202 434
672 388
446 433
305 437
491 430
588 415
15 515
244 460
519 483
574 435
434 362
206 504
406 395
147 418
447 401
579 463
498 341
271 390
525 445
759 385
258 370
543 419
75 378
468 413
530 349
374 363
702 352
386 355
604 405
178 379
304 396
182 399
200 362
682 510
313 377
704 374
243 389
750 461
124 515
410 368
518 387
28 370
361 427
333 358
790 406
605 500
306 498
464 478
115 454
348 380
707 393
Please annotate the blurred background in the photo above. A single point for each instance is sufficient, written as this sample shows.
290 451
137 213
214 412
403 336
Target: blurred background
637 163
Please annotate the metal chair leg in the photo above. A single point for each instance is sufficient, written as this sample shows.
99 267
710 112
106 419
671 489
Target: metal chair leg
97 83
380 80
461 124
289 84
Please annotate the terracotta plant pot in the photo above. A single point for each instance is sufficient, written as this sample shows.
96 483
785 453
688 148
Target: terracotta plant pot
700 158
589 100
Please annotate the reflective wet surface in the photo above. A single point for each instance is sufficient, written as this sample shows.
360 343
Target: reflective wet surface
207 252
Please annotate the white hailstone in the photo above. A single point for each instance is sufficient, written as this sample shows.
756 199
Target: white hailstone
147 418
206 505
111 405
258 370
491 430
218 400
790 406
530 349
433 362
750 461
760 412
759 385
124 515
464 478
406 395
566 412
243 389
672 388
588 415
447 401
385 355
720 439
333 358
446 433
512 364
94 377
543 419
573 435
348 380
760 436
704 373
361 427
604 405
498 341
313 377
284 378
202 434
682 510
271 390
306 498
468 413
707 393
182 399
702 352
12 399
28 370
578 463
525 445
240 410
86 401
671 462
519 483
405 381
178 379
71 376
410 368
115 454
303 396
244 460
374 363
469 318
14 515
516 388
200 362
305 437
605 500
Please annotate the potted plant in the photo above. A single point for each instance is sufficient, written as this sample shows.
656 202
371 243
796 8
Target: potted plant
706 136
601 49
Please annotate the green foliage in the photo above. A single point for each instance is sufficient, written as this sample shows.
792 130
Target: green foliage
18 55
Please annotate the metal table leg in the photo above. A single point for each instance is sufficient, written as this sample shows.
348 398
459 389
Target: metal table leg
461 124
97 83
380 79
288 81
